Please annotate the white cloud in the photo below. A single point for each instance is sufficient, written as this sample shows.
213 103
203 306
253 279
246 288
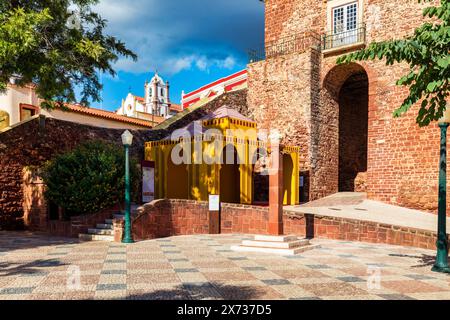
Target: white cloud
174 65
228 63
202 63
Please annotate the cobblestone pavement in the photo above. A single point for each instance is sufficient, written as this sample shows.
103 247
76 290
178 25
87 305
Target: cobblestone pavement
203 267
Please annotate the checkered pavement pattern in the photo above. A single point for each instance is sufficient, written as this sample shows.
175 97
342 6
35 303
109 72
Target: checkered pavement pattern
35 267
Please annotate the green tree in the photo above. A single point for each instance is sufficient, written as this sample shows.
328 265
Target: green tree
427 53
88 179
46 43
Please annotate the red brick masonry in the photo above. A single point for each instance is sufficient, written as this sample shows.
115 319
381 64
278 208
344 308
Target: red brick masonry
164 218
78 225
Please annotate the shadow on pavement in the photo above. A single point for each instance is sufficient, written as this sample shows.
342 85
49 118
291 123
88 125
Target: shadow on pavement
14 240
30 268
203 291
425 260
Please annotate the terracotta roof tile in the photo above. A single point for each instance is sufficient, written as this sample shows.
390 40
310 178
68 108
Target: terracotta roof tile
176 107
108 115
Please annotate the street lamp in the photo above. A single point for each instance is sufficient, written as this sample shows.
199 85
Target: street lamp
441 264
127 141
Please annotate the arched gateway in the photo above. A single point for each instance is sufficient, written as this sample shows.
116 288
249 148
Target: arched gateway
341 144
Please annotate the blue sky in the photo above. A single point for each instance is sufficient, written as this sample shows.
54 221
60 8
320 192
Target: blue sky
190 42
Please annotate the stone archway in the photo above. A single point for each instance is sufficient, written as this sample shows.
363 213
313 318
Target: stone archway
339 130
353 130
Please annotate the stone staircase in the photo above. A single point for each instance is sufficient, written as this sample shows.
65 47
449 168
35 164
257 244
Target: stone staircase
105 231
101 232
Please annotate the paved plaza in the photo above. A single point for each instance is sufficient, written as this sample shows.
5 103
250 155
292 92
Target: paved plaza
203 267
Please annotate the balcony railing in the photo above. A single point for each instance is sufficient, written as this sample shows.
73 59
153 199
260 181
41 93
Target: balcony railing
255 55
293 44
333 40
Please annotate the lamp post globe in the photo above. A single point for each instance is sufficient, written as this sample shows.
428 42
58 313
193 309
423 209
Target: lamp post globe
441 264
127 138
127 141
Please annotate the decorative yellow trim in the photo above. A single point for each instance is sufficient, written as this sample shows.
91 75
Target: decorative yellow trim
204 177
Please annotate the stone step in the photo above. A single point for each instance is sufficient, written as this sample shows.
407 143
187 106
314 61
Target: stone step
121 216
283 252
275 244
105 232
105 226
95 237
109 221
276 238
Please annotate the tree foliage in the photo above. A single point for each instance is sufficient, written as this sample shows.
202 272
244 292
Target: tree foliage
427 53
88 179
44 42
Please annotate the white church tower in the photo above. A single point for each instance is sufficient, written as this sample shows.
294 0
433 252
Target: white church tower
157 97
155 103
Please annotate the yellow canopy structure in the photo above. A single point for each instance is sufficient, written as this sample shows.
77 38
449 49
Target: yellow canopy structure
218 155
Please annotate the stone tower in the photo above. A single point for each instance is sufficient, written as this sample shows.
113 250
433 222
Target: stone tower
157 100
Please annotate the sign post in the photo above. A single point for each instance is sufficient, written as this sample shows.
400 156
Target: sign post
214 214
148 181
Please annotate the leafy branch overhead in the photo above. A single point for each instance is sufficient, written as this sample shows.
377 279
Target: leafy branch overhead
427 53
57 49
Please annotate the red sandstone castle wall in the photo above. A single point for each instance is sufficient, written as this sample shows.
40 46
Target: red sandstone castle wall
26 147
29 146
300 89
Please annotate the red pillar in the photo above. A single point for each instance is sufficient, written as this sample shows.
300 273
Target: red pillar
276 192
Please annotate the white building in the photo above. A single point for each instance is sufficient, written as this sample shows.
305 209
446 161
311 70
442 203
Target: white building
154 106
18 104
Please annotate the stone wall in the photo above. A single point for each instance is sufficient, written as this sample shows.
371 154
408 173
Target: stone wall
280 96
25 148
76 225
298 94
243 219
315 226
166 218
